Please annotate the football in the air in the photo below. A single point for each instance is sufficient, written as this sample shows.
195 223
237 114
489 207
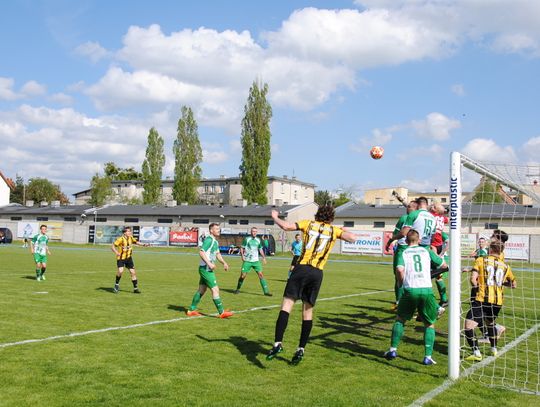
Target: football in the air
376 152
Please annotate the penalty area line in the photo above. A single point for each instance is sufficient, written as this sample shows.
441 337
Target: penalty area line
165 321
467 372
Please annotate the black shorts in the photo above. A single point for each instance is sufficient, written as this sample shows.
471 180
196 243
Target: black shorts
294 260
125 263
483 311
304 283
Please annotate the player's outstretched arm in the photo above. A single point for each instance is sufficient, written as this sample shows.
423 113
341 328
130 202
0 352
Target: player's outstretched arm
222 261
348 237
287 226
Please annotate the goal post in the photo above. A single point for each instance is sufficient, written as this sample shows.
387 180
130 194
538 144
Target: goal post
506 197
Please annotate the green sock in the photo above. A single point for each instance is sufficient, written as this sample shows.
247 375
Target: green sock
218 304
38 272
397 333
240 282
429 340
196 299
441 287
264 285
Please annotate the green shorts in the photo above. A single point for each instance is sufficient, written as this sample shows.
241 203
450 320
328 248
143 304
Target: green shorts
248 265
40 258
421 299
207 278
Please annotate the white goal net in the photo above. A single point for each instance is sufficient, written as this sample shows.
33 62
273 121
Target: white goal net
495 202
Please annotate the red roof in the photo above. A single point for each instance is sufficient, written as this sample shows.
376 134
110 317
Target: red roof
8 181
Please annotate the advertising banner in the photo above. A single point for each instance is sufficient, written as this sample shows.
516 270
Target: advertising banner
387 236
368 242
517 247
27 229
55 230
469 243
107 233
183 238
155 236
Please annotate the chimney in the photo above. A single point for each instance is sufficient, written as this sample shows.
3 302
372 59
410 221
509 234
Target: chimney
55 204
43 203
241 202
29 203
171 203
184 204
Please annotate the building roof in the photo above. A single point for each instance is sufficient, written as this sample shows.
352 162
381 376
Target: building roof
17 209
9 182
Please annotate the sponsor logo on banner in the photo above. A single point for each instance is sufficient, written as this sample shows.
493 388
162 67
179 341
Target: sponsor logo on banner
454 204
155 236
469 243
367 242
27 229
387 237
183 238
517 247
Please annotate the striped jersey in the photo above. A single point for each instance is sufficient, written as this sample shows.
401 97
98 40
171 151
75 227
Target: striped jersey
318 240
210 247
424 223
40 242
417 262
493 272
124 245
251 246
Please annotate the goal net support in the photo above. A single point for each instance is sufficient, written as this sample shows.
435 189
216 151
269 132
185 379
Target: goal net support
485 197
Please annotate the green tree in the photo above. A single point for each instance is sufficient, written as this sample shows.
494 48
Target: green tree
187 159
116 173
322 198
487 192
17 195
256 145
152 168
342 199
41 189
101 190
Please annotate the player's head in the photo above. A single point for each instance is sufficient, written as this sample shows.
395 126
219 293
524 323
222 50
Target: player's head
43 229
438 209
482 242
253 232
412 206
127 230
500 235
496 247
214 229
412 237
298 237
325 214
422 202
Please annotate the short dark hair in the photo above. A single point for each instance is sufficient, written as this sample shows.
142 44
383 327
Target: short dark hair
325 214
497 247
500 235
412 235
126 228
43 226
421 200
211 225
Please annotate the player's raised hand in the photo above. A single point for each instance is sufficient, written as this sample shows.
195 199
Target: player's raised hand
275 214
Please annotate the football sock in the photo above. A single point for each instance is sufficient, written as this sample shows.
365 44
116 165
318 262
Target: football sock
307 324
281 325
492 335
43 269
397 333
135 282
240 282
429 341
471 340
218 304
196 299
264 285
441 287
38 272
118 279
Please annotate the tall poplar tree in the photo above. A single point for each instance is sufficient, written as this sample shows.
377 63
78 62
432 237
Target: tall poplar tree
152 168
256 145
187 159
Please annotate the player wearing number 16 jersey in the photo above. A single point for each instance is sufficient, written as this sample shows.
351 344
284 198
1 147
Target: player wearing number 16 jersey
305 281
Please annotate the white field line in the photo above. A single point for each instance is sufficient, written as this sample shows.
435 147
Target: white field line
449 383
164 321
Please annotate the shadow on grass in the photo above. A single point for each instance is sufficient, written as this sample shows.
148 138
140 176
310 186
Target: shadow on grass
29 277
178 308
231 291
106 289
250 349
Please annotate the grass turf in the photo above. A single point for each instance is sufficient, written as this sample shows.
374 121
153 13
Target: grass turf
204 361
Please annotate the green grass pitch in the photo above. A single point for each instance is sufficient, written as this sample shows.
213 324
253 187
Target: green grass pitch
207 361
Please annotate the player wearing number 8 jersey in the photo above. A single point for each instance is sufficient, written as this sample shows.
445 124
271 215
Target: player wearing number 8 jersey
489 276
305 281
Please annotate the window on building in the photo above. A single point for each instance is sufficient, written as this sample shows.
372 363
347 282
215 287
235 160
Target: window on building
101 219
233 221
201 221
131 220
16 218
295 194
244 222
282 188
443 200
491 226
269 222
70 219
164 220
348 224
42 218
379 224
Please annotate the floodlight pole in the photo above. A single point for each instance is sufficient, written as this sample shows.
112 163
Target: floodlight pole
454 304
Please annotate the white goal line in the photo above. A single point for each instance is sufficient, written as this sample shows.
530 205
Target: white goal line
165 321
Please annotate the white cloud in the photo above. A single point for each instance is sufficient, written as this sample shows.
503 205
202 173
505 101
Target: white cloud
61 98
32 88
458 89
6 89
488 150
435 126
378 138
214 157
93 51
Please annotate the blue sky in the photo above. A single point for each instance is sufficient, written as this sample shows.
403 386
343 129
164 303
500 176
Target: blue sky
81 83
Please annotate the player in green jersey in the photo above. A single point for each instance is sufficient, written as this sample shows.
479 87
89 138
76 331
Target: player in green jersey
414 273
209 253
401 245
251 248
40 249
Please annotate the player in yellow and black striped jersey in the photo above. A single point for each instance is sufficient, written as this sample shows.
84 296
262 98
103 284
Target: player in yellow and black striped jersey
123 248
305 280
489 276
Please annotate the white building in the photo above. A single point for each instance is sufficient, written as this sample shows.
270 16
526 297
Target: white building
6 185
